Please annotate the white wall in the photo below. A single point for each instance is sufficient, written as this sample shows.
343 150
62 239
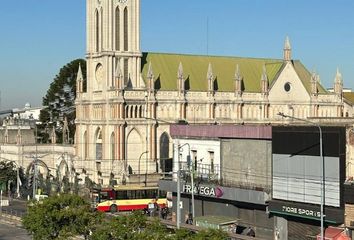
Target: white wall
202 146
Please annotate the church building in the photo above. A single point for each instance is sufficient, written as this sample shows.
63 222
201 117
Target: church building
131 97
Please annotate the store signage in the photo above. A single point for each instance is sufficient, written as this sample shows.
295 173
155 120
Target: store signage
204 190
301 211
304 210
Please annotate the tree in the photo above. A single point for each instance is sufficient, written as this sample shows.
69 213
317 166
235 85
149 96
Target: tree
136 226
215 234
8 174
60 102
60 217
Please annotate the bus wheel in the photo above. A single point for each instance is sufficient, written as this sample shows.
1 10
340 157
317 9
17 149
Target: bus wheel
113 208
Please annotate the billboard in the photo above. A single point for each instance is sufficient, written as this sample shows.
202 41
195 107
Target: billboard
297 165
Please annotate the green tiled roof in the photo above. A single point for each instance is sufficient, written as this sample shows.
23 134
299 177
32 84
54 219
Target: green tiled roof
195 69
349 96
305 77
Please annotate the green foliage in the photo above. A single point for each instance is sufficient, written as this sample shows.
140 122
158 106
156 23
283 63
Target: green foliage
59 102
60 217
136 226
211 234
183 234
8 173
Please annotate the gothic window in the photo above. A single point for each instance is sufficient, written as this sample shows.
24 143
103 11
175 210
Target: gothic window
126 29
141 112
131 112
136 112
113 152
165 161
117 29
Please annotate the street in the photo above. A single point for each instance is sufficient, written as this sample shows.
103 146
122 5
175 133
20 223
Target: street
9 232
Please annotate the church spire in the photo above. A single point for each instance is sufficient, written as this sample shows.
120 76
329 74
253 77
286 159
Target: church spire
79 80
150 78
338 84
180 78
287 50
210 78
264 81
238 81
314 83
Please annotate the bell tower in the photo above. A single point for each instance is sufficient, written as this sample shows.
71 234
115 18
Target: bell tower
113 41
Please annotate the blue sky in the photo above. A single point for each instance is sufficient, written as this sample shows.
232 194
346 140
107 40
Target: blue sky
38 37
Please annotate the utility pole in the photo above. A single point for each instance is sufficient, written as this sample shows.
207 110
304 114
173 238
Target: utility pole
192 183
178 197
179 183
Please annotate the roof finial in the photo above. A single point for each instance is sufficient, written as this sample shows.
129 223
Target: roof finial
210 78
264 74
210 75
118 73
79 76
180 71
338 76
237 73
287 49
150 73
287 43
264 81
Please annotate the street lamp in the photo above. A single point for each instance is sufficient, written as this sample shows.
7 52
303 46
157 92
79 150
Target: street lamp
322 166
191 170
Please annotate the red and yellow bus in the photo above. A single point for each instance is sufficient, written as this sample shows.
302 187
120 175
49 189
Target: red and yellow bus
129 198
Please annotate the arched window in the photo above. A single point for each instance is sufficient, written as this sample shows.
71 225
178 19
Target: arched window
117 30
97 37
126 111
98 144
131 112
165 160
126 29
140 111
113 152
136 112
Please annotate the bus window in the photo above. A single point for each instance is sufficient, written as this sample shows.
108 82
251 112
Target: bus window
121 195
131 194
162 194
104 196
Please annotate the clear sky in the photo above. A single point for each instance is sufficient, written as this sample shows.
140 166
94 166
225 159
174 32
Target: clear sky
38 37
